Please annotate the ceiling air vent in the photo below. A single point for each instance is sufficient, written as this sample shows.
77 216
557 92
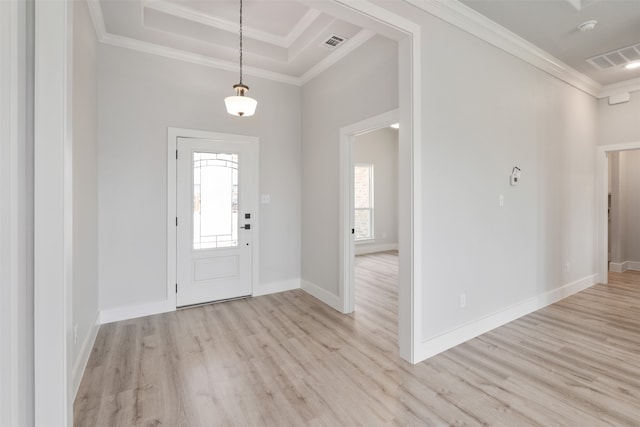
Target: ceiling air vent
334 41
616 58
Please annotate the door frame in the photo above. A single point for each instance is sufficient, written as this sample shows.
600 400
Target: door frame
410 277
172 192
348 135
602 190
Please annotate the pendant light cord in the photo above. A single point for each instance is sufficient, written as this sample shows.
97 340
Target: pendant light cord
240 41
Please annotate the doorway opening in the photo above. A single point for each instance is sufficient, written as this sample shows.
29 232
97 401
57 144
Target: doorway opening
607 156
348 137
375 223
623 206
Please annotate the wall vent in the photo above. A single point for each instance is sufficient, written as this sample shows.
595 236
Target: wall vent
616 58
334 41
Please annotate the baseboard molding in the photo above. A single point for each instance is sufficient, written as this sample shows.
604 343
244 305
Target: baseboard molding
478 327
365 248
275 287
618 267
333 301
621 267
83 358
133 311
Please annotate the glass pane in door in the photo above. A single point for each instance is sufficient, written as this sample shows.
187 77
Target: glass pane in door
215 200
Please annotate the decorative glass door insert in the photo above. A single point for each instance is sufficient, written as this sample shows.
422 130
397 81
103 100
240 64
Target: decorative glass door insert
215 200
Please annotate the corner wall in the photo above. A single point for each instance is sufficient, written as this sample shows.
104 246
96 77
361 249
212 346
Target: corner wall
141 95
85 189
362 85
480 122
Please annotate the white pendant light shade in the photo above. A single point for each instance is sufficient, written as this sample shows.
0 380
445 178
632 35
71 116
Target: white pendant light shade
240 105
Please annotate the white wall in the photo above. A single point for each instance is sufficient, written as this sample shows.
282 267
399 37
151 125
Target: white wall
16 214
85 187
141 96
480 122
362 85
619 123
380 148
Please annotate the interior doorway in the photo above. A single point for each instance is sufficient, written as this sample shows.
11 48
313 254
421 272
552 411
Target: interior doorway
603 175
375 223
348 137
375 218
623 209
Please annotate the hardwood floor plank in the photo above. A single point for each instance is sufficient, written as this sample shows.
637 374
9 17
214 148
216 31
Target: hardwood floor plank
289 360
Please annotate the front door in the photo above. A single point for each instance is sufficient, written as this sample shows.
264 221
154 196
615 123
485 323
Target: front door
216 205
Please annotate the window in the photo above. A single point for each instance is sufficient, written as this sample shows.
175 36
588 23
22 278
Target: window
363 201
215 200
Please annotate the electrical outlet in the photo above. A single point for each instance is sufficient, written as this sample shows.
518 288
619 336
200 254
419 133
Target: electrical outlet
567 267
501 200
463 300
75 333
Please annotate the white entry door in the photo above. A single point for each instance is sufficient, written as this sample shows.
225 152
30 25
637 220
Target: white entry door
217 191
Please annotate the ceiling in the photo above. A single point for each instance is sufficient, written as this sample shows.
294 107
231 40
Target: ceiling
552 25
285 40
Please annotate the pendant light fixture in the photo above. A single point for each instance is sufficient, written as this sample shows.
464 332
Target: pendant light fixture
240 104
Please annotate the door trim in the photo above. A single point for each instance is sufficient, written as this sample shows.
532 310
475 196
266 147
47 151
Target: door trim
347 250
172 175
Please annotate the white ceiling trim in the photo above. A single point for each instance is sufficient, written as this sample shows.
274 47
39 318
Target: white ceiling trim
95 10
631 85
302 25
128 43
194 58
478 25
348 47
211 21
294 53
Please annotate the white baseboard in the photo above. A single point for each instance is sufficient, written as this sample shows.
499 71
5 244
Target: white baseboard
478 327
83 357
332 300
621 267
275 287
364 248
618 267
133 311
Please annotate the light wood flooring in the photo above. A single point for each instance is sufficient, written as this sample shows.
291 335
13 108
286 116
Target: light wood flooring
287 359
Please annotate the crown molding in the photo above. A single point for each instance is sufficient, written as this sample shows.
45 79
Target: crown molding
302 26
128 43
194 58
95 11
478 25
179 11
348 47
631 85
104 37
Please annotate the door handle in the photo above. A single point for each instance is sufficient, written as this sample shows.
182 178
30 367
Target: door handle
247 227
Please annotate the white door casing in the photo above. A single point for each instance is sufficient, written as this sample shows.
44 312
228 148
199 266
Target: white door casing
214 258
